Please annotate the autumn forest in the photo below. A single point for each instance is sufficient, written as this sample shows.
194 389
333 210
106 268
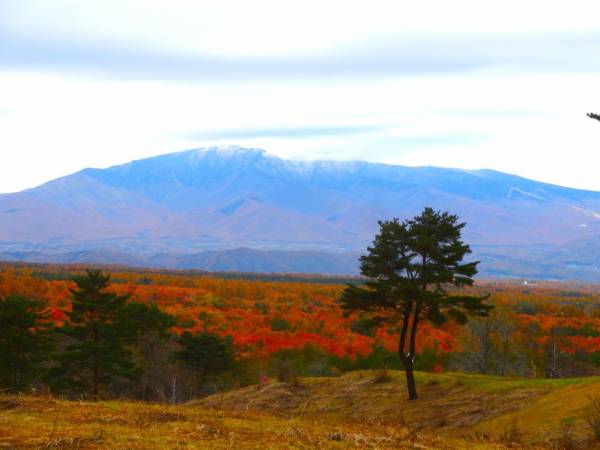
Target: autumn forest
284 329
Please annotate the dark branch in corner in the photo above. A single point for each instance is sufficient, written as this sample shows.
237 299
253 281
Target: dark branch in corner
593 116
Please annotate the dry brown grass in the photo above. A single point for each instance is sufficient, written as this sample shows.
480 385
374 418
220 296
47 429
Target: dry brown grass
41 423
453 412
513 411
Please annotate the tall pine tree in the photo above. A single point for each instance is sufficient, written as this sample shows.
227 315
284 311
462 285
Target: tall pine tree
96 351
409 269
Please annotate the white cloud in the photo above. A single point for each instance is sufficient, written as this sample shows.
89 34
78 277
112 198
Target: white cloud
496 111
266 27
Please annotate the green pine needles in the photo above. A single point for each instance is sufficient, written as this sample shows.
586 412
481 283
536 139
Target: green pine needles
26 341
96 351
409 268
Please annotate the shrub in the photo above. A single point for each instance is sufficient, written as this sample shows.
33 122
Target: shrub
263 308
513 434
593 416
280 324
205 353
186 322
285 370
308 361
566 440
377 359
364 326
382 376
526 307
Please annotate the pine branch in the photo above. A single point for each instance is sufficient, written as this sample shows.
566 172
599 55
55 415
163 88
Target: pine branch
593 116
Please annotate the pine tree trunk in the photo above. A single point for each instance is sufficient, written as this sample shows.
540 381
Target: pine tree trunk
410 358
410 379
407 360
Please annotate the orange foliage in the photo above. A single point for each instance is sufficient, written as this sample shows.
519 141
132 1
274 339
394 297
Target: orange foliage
263 317
243 309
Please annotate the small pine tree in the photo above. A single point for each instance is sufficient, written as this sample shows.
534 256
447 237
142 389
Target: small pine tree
97 350
26 340
205 353
136 321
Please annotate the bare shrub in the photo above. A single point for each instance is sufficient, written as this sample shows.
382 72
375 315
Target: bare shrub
439 421
382 376
432 382
335 436
566 440
513 434
593 416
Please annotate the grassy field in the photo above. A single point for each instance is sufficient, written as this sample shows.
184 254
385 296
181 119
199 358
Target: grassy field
523 412
27 422
357 410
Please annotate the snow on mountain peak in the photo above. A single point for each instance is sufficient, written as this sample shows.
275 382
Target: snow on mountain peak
229 150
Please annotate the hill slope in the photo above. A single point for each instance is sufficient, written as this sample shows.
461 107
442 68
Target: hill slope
353 411
30 422
159 211
524 411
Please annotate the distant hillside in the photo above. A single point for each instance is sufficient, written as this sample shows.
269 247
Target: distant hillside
214 208
235 260
250 260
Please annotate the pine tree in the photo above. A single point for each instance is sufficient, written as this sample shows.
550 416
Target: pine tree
205 353
409 268
97 350
26 340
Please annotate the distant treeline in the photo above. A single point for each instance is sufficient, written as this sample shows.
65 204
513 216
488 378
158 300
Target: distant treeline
65 272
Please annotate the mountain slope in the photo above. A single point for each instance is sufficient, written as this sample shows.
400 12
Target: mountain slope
216 199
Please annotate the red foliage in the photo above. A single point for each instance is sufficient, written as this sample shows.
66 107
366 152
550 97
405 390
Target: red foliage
306 313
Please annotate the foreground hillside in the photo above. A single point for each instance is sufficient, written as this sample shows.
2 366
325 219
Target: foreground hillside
522 412
27 422
358 410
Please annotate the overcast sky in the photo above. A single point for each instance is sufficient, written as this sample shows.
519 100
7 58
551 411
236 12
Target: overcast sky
469 84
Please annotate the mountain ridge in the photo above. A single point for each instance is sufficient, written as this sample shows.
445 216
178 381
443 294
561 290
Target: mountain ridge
219 199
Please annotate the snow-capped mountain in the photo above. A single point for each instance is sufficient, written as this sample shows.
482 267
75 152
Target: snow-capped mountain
221 198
